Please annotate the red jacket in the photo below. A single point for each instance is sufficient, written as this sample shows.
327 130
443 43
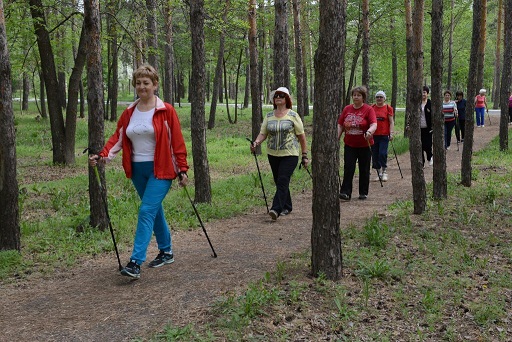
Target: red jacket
170 150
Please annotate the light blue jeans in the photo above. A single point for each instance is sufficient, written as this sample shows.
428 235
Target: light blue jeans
151 219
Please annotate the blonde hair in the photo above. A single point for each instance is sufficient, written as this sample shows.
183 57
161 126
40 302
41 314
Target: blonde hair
145 70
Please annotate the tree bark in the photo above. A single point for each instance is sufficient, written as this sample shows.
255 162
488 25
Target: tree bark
467 148
326 254
394 66
300 69
497 63
51 82
414 90
440 182
197 120
481 46
152 33
169 56
72 103
97 192
366 46
26 91
450 47
281 54
506 76
256 110
9 210
217 79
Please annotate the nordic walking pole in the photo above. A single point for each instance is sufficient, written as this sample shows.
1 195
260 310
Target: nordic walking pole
306 168
200 221
378 174
489 117
394 151
259 174
104 198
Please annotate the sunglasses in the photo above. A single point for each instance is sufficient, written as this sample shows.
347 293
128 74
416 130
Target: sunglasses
379 97
279 95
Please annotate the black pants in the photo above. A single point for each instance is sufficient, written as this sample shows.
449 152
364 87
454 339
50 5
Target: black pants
460 129
426 144
282 170
363 156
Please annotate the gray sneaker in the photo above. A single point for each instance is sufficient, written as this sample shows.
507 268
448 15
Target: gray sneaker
161 259
131 270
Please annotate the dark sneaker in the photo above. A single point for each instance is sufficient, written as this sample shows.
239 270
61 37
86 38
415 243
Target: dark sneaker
285 212
344 197
273 214
162 259
363 197
131 270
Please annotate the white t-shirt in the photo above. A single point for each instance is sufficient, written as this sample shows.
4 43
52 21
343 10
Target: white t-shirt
141 132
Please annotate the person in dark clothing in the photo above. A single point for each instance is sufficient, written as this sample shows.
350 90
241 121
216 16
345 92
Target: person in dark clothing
426 127
461 122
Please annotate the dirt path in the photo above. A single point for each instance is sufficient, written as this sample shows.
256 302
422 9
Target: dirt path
93 302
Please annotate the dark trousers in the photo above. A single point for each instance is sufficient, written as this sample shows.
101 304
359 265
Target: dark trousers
380 151
448 128
426 144
363 156
460 129
282 170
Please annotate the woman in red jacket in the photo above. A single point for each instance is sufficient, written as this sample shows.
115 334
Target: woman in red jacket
154 153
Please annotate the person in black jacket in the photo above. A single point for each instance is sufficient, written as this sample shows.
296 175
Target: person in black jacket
426 127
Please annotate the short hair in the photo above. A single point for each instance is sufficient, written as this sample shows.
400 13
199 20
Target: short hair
145 70
361 90
427 89
459 93
447 92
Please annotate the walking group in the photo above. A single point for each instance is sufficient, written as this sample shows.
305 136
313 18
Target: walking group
154 153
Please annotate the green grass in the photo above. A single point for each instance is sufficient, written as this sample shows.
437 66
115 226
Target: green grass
442 275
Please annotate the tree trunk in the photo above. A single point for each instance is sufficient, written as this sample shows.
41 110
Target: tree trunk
255 79
113 79
366 47
9 211
414 90
51 82
301 95
497 63
394 66
97 192
169 56
197 120
72 105
355 58
217 79
467 148
326 254
247 88
152 33
281 54
440 182
226 90
408 44
26 91
42 95
450 47
481 46
506 77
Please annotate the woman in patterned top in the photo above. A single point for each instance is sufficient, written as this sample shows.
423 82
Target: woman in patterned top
450 114
285 132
